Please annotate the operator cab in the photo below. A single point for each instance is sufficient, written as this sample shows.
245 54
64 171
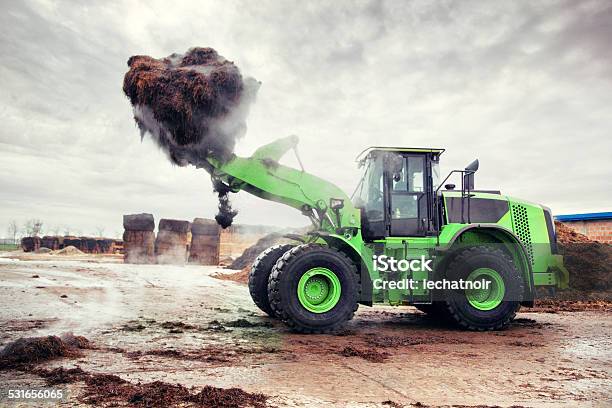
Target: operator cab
395 194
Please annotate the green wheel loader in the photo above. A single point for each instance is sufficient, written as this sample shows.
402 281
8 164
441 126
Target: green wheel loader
405 237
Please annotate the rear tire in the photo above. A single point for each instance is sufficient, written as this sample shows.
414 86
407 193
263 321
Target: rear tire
313 289
491 309
260 272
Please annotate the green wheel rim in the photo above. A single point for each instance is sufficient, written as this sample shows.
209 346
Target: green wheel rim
319 290
486 298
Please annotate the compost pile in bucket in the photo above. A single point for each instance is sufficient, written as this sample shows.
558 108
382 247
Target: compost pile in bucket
194 106
588 262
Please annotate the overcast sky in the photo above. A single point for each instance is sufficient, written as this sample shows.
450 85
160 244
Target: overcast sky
525 86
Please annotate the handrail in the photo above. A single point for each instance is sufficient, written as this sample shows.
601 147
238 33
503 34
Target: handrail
463 196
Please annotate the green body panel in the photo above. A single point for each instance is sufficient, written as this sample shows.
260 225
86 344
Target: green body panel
522 229
411 248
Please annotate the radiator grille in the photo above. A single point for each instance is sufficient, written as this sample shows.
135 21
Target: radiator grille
521 227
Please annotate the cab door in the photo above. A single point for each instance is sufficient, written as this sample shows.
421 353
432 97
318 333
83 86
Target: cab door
406 195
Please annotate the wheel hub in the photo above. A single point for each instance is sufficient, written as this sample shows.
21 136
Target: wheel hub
491 294
316 289
319 290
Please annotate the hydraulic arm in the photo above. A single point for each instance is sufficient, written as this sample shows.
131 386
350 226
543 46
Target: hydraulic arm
262 175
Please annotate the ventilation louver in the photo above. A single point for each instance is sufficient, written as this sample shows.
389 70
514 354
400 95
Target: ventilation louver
521 228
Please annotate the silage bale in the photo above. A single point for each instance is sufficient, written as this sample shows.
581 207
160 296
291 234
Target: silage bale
139 222
51 242
203 226
30 244
83 244
172 242
90 245
174 225
139 247
118 246
73 241
139 238
204 248
105 245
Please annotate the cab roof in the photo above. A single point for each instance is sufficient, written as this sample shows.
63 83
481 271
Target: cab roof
434 150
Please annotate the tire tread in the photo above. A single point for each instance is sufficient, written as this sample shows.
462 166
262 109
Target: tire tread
259 272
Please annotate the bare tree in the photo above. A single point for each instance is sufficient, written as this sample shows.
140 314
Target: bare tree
33 227
55 230
27 229
12 230
99 231
67 230
38 227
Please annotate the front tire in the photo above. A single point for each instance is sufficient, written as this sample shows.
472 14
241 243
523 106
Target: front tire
260 272
488 309
313 289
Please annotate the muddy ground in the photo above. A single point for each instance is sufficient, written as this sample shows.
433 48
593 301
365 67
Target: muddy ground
179 325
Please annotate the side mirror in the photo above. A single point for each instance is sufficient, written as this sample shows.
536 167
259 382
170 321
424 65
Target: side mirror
473 166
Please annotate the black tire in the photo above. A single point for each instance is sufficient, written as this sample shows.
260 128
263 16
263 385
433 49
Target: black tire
458 307
283 284
260 272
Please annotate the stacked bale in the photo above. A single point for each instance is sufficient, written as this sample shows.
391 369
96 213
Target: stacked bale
117 246
139 238
90 245
105 246
72 241
83 247
204 242
172 243
52 242
30 244
83 244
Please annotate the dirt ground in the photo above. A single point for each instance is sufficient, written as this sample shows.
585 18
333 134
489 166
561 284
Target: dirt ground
180 325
